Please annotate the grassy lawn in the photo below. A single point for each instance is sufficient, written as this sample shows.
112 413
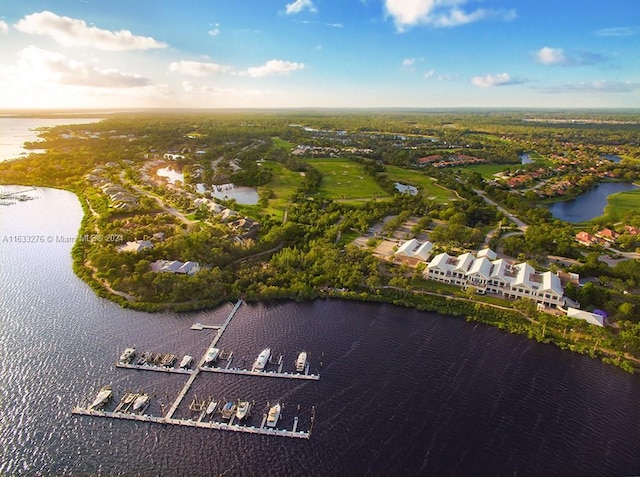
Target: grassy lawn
343 179
619 204
488 170
428 186
283 184
282 144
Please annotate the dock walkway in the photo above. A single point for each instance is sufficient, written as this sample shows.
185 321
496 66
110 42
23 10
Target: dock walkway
266 374
221 426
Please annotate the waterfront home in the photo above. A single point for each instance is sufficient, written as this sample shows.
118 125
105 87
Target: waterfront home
592 318
631 230
487 274
607 234
136 246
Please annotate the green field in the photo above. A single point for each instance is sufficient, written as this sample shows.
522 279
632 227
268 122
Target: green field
488 170
428 186
283 184
277 142
619 204
346 180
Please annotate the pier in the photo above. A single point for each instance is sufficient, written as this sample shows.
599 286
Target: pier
266 374
221 426
161 369
194 374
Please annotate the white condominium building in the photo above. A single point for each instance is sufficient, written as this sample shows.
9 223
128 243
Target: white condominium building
488 274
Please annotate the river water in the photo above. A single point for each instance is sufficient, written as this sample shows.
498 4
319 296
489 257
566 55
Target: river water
589 205
401 392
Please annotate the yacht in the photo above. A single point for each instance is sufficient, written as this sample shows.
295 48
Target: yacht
103 396
242 411
141 402
301 362
274 415
186 361
212 355
228 410
127 355
262 359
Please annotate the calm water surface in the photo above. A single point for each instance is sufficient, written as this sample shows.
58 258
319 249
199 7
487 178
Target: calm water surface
14 132
589 205
401 392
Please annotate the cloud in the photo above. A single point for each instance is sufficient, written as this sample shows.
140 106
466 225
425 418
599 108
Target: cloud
197 68
73 32
4 28
408 62
309 22
215 31
58 68
594 87
299 5
618 31
438 13
501 79
273 68
429 74
558 57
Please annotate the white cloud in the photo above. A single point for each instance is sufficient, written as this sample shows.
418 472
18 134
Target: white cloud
429 74
551 56
595 87
438 13
73 32
215 31
197 68
618 31
489 81
273 68
408 62
299 5
4 28
58 68
557 56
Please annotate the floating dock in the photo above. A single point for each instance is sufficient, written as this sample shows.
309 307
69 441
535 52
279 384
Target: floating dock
266 374
220 426
161 369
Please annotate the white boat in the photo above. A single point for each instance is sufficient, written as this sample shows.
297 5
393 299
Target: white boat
262 359
211 356
274 415
186 361
103 396
127 355
211 408
301 362
140 403
242 410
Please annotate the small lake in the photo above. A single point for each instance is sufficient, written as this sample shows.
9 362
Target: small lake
589 205
406 189
171 175
612 158
525 159
242 195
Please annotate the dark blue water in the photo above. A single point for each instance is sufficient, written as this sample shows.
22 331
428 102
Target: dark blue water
401 392
589 205
612 157
525 158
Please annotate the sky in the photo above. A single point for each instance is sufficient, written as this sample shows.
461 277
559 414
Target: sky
70 54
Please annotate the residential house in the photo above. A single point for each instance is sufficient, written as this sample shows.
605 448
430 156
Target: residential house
608 235
136 246
585 238
415 250
175 266
592 318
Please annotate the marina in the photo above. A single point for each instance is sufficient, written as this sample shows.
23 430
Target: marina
132 406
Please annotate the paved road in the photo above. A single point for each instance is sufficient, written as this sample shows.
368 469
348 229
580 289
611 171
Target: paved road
519 223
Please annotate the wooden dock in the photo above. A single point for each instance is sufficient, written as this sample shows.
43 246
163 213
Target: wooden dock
220 426
161 369
266 374
194 374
